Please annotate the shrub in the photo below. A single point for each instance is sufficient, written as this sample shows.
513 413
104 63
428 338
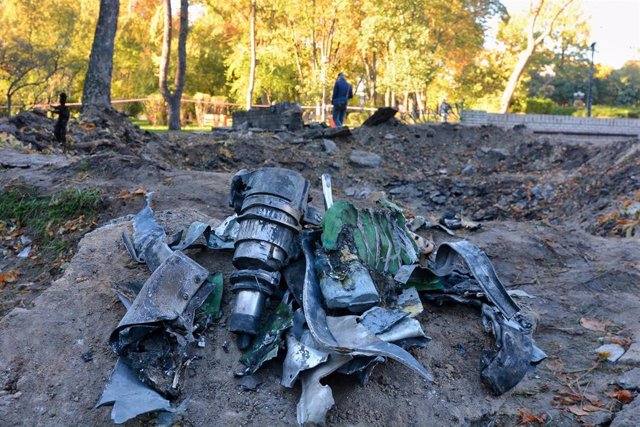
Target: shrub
559 110
610 112
539 106
156 110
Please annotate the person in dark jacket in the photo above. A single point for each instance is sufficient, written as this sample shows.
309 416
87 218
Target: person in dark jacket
342 93
60 130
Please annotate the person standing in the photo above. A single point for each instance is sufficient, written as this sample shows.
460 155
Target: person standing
60 130
342 93
445 109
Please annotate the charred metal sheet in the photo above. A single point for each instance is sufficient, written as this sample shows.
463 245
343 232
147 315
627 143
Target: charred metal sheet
148 238
129 396
345 282
312 296
378 236
313 216
482 270
164 296
362 367
379 319
195 230
409 302
293 275
224 235
516 352
300 357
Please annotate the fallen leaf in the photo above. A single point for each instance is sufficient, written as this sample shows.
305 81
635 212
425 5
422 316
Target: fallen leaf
594 325
125 194
593 399
623 396
527 417
591 408
82 175
575 410
9 277
140 191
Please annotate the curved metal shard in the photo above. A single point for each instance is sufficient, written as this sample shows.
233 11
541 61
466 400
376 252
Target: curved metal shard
482 270
129 396
300 357
317 399
312 296
406 328
195 230
516 352
356 340
164 296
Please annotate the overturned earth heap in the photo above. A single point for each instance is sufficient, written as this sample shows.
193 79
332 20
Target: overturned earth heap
327 262
540 202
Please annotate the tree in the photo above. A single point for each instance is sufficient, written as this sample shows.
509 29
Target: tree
173 99
33 60
25 65
252 67
541 19
97 84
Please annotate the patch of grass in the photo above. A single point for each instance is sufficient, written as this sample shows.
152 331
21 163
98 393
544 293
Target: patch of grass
610 111
145 125
49 217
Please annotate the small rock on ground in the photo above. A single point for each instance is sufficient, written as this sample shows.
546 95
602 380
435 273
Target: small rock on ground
630 380
329 146
629 416
632 356
365 158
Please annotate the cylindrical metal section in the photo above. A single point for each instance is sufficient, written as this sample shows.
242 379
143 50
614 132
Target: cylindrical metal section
247 311
270 204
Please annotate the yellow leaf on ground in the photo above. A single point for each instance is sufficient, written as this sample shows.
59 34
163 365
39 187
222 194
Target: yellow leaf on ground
576 410
593 324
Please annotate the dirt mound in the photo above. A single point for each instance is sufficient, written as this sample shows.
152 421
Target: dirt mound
95 130
482 173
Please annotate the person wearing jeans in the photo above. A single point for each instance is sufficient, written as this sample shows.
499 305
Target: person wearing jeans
342 93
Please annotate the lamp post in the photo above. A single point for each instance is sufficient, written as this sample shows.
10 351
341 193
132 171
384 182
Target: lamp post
589 97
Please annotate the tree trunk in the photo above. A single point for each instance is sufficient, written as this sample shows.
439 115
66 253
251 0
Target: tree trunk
173 105
252 68
9 96
507 95
97 85
173 99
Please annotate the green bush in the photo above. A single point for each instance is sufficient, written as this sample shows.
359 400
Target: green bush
156 110
131 109
559 110
610 111
539 106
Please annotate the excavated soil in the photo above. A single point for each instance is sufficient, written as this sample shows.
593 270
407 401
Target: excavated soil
552 215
